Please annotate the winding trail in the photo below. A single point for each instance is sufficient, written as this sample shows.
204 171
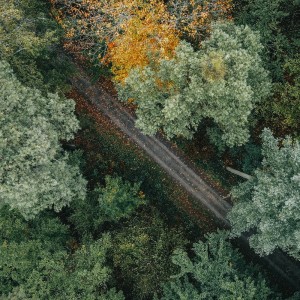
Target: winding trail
162 153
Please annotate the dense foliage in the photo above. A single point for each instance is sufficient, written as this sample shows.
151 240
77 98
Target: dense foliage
132 33
269 203
35 263
147 37
283 110
279 26
142 253
35 173
193 19
217 271
111 203
100 222
30 42
222 81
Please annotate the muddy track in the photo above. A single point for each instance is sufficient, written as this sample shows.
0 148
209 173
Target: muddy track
163 154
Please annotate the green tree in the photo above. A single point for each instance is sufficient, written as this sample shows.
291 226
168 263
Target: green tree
34 171
30 42
36 264
296 296
283 110
216 271
278 24
269 203
142 254
116 200
45 227
222 81
24 242
31 271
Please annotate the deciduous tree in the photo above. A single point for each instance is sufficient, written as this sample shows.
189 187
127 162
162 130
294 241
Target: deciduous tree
120 32
119 199
147 37
34 171
116 200
217 271
269 203
282 110
222 81
276 20
30 41
31 271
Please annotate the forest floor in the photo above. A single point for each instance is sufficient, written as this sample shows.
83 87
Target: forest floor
180 169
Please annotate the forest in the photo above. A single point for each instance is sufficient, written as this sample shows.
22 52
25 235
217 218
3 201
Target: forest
85 213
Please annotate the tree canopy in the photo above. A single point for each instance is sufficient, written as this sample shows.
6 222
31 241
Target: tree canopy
30 42
217 271
147 37
188 66
192 19
282 110
278 24
29 270
142 253
34 171
116 200
222 81
126 32
269 203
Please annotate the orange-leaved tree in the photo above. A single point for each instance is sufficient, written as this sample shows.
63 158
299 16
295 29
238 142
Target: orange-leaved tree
132 33
147 37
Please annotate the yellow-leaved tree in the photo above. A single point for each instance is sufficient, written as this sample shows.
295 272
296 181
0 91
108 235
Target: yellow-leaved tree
148 36
135 33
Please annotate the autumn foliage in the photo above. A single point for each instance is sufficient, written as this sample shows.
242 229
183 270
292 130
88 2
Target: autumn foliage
148 36
132 33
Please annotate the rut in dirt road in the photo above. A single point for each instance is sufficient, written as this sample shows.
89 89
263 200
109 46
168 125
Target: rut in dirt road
161 152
